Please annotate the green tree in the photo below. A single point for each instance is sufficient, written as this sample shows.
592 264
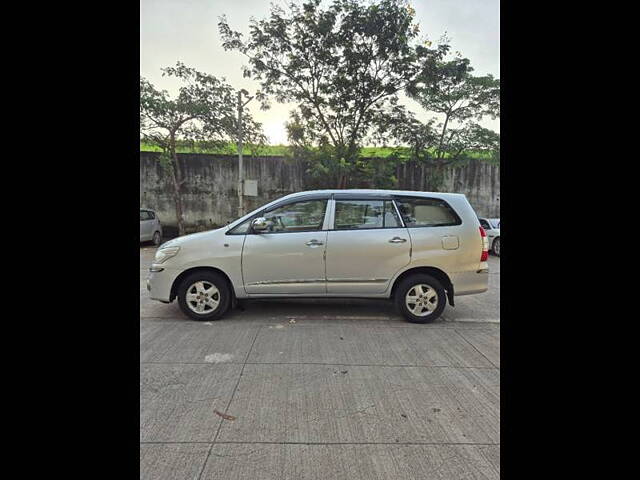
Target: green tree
204 110
460 99
343 65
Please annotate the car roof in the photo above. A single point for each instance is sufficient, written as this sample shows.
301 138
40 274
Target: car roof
338 193
371 192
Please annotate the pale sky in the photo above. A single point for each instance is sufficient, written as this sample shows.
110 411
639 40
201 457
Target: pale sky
187 31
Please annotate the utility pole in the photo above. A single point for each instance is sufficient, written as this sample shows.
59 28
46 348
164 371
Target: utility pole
240 147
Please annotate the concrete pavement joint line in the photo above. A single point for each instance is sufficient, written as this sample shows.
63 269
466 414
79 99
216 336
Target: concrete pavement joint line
229 403
238 442
475 320
462 336
326 364
402 325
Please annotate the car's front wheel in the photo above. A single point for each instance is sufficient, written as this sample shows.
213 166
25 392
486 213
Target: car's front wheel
496 247
420 298
204 296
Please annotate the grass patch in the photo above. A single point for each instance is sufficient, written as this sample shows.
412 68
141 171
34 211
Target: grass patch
281 150
228 149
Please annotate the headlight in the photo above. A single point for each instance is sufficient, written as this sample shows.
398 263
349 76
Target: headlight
164 254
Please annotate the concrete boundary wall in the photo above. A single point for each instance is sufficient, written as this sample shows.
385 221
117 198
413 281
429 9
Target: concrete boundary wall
210 196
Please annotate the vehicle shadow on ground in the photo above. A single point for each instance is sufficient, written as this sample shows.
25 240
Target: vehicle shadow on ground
289 310
319 308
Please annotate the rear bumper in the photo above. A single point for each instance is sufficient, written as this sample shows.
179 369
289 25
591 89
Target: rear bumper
470 283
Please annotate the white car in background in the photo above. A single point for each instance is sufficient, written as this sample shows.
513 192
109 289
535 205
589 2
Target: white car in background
492 227
150 227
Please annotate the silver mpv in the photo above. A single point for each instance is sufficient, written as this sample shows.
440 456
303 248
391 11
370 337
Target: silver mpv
419 249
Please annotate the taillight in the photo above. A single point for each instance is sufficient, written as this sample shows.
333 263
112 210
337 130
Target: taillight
485 245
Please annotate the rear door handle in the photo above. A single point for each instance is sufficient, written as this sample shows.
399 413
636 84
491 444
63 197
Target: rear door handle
397 240
312 243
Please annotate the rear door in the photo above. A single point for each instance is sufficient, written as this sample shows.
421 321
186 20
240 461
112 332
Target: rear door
436 231
366 245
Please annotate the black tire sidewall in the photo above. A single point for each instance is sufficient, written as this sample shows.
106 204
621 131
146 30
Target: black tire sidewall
220 283
497 254
409 282
157 244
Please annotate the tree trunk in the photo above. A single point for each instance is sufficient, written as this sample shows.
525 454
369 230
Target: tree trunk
177 186
341 180
437 177
439 152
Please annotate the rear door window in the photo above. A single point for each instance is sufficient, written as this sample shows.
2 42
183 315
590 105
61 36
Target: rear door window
365 214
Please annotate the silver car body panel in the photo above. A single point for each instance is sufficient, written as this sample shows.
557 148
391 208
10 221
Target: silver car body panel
349 263
284 263
364 261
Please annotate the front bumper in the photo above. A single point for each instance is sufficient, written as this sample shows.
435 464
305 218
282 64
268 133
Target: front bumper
159 283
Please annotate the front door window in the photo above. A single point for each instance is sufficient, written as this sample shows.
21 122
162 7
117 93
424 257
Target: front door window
297 217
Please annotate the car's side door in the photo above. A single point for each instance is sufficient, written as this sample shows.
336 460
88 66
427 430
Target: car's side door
146 224
288 258
366 246
438 237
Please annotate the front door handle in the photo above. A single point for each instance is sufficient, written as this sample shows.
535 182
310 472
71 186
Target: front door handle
313 243
397 240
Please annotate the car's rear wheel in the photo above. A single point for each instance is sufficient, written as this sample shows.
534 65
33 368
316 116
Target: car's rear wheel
204 296
496 247
420 298
157 238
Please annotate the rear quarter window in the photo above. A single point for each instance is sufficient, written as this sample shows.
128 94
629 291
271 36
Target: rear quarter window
427 212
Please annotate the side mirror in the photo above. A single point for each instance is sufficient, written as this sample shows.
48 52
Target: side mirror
259 224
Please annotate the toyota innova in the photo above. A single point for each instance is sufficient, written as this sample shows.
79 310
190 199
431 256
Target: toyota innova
419 249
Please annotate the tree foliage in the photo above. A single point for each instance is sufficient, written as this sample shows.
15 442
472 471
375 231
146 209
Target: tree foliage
457 101
343 65
204 110
461 99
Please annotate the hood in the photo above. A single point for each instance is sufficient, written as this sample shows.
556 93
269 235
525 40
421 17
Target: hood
192 238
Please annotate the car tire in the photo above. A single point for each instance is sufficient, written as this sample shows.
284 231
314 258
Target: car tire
204 296
496 247
157 239
422 287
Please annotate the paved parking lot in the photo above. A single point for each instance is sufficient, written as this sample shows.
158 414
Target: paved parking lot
320 389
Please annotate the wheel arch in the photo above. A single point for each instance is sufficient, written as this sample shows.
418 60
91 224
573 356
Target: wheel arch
178 280
435 272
